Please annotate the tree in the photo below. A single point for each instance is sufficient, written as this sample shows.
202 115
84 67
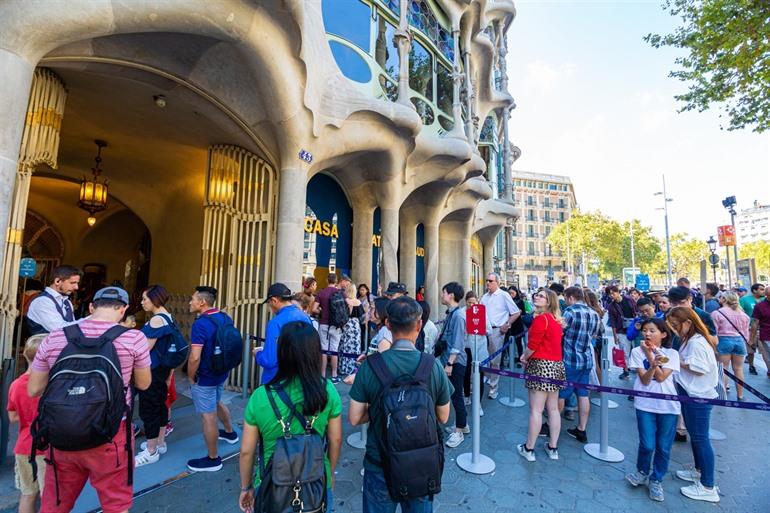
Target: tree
728 64
760 252
605 243
686 255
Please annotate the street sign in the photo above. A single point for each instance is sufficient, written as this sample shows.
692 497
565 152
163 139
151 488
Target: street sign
714 259
27 268
642 283
476 320
593 281
726 235
629 275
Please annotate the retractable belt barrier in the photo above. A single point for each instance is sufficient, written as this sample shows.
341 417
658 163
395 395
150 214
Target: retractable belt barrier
764 406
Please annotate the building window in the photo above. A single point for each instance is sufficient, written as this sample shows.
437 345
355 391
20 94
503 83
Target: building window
350 63
547 217
547 231
531 215
531 248
530 200
386 55
562 204
561 217
348 19
547 202
530 231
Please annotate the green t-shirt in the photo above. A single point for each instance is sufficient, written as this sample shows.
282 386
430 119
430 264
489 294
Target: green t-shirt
748 302
366 389
259 413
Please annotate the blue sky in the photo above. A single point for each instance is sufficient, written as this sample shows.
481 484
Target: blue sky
594 102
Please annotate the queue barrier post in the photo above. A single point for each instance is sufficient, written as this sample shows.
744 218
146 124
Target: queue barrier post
358 439
475 462
596 401
512 401
715 434
602 451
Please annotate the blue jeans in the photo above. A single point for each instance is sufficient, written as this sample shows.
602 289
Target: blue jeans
329 501
656 434
697 418
377 499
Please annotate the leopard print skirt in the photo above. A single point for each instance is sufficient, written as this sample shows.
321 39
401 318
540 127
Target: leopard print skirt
545 369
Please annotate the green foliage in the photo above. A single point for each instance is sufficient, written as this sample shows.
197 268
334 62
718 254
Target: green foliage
728 61
686 255
760 252
605 243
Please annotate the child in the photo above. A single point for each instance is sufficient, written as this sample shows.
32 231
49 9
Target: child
654 362
23 409
129 321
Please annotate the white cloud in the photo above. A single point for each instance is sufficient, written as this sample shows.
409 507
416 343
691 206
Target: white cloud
543 75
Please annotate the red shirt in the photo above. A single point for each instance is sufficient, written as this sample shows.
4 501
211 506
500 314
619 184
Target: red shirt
545 338
762 315
25 406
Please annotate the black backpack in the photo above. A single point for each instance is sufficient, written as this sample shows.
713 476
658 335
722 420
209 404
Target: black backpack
171 349
85 399
339 314
411 444
294 480
228 346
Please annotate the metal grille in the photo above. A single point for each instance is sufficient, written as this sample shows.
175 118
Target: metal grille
238 237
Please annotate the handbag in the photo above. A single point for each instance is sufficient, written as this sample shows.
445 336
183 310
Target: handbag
618 357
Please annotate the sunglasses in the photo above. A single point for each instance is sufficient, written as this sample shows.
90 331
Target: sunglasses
540 295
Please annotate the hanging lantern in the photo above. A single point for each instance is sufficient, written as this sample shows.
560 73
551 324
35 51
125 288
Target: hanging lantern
93 191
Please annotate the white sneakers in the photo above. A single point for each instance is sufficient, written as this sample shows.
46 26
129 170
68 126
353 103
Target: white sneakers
700 493
455 439
553 454
525 453
145 458
162 449
696 490
492 393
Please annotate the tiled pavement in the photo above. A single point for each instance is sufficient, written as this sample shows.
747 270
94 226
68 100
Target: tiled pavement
575 483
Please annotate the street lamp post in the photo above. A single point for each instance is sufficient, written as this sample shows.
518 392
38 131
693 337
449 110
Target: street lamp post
666 200
713 257
729 203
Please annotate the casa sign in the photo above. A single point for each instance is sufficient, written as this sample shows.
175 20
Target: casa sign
318 227
377 243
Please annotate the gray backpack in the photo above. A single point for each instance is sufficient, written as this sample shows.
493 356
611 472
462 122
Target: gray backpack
294 480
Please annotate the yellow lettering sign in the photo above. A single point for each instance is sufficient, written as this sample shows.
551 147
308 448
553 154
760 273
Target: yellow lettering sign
323 228
420 251
376 240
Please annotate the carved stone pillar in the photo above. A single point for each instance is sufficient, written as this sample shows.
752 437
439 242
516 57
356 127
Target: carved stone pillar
403 39
457 79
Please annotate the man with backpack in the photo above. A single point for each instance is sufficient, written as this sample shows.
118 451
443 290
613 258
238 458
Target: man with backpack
82 413
334 315
404 395
284 311
52 308
208 375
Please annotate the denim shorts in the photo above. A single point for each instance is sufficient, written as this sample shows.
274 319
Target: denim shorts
579 376
731 345
205 399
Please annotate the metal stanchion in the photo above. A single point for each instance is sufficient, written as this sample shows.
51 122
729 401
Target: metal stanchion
475 462
358 439
245 367
596 401
602 451
512 401
715 434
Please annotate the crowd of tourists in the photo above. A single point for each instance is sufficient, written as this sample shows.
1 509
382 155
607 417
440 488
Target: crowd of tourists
407 374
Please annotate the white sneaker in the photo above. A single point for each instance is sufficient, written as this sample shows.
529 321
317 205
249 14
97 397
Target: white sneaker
689 474
467 401
552 453
145 458
162 449
524 453
451 429
700 493
455 439
481 411
492 394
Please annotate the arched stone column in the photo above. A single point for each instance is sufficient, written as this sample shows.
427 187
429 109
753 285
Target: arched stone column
290 221
363 222
407 265
432 285
389 248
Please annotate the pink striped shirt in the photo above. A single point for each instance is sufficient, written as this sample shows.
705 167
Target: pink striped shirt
131 347
737 317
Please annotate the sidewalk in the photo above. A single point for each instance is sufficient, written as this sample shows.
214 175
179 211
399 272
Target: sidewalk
575 483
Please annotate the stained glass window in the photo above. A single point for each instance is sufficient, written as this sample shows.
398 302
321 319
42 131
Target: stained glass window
421 70
421 17
488 130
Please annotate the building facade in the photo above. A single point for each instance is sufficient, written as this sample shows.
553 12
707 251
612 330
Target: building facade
252 142
544 201
753 224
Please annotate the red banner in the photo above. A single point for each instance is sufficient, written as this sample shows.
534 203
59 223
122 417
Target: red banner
476 320
726 235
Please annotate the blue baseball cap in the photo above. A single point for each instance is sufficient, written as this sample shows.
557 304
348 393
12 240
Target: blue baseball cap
113 293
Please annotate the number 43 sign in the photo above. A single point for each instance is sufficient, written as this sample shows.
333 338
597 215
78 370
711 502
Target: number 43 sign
476 320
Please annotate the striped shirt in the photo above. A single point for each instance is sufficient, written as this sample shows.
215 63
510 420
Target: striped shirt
131 347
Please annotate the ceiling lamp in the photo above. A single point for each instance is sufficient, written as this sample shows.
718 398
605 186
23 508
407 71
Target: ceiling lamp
93 193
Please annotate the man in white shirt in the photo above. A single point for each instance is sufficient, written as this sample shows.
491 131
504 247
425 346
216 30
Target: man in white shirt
52 308
501 313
